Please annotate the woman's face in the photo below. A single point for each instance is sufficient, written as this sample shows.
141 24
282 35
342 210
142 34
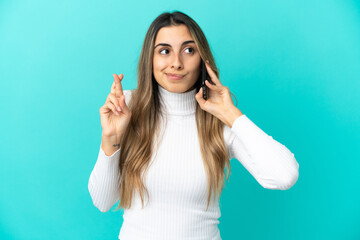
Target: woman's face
175 52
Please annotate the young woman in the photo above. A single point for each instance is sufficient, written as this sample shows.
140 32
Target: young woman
166 144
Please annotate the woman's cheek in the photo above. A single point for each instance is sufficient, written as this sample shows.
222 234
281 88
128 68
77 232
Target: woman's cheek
160 63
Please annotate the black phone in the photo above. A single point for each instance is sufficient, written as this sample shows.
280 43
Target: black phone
204 76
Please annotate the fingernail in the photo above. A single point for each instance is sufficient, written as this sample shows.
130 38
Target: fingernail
118 108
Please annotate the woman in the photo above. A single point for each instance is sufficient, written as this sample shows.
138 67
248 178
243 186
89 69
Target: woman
164 139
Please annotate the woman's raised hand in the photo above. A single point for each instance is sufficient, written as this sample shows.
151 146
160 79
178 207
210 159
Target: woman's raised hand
114 114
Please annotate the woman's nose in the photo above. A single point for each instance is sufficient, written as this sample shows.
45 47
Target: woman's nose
176 62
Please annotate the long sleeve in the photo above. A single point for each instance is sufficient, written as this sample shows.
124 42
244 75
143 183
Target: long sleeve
104 181
268 161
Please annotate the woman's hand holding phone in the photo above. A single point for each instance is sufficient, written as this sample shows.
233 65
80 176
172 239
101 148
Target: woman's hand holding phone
219 103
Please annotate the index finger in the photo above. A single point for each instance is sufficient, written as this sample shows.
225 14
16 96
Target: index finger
118 87
213 76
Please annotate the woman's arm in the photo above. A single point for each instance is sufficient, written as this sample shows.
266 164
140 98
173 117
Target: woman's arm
271 163
104 181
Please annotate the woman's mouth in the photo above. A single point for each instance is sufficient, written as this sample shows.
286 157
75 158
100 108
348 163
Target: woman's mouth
174 76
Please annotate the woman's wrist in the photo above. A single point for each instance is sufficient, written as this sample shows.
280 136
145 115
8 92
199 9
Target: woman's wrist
231 115
110 144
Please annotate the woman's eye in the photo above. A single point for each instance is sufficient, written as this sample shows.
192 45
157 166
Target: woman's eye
192 50
163 50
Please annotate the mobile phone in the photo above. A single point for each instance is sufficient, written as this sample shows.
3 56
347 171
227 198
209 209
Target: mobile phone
204 76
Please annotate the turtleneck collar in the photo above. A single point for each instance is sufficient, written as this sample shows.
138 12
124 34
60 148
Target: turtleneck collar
178 103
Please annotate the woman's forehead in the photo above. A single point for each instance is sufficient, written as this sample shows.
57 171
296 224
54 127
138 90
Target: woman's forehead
173 35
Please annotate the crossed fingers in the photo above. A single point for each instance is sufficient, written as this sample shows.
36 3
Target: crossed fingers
116 87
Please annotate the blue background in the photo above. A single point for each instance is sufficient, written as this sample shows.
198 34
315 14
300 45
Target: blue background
294 67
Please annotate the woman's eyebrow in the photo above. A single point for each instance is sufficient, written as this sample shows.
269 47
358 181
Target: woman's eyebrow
168 45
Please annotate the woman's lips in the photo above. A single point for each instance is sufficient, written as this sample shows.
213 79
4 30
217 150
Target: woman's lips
174 76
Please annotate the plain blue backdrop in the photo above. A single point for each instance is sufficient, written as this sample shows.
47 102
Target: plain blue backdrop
294 67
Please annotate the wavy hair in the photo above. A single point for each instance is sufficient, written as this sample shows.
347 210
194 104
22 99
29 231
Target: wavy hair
144 127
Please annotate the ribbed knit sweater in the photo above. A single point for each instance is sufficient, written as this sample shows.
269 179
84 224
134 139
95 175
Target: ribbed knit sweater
176 180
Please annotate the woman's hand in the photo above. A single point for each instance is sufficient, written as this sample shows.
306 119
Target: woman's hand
114 114
219 103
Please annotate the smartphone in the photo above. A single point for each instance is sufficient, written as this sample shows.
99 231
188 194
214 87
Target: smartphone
204 76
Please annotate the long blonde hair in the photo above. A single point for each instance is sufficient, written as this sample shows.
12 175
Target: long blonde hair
145 105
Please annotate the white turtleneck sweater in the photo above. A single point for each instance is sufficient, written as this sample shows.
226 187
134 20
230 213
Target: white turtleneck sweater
176 179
